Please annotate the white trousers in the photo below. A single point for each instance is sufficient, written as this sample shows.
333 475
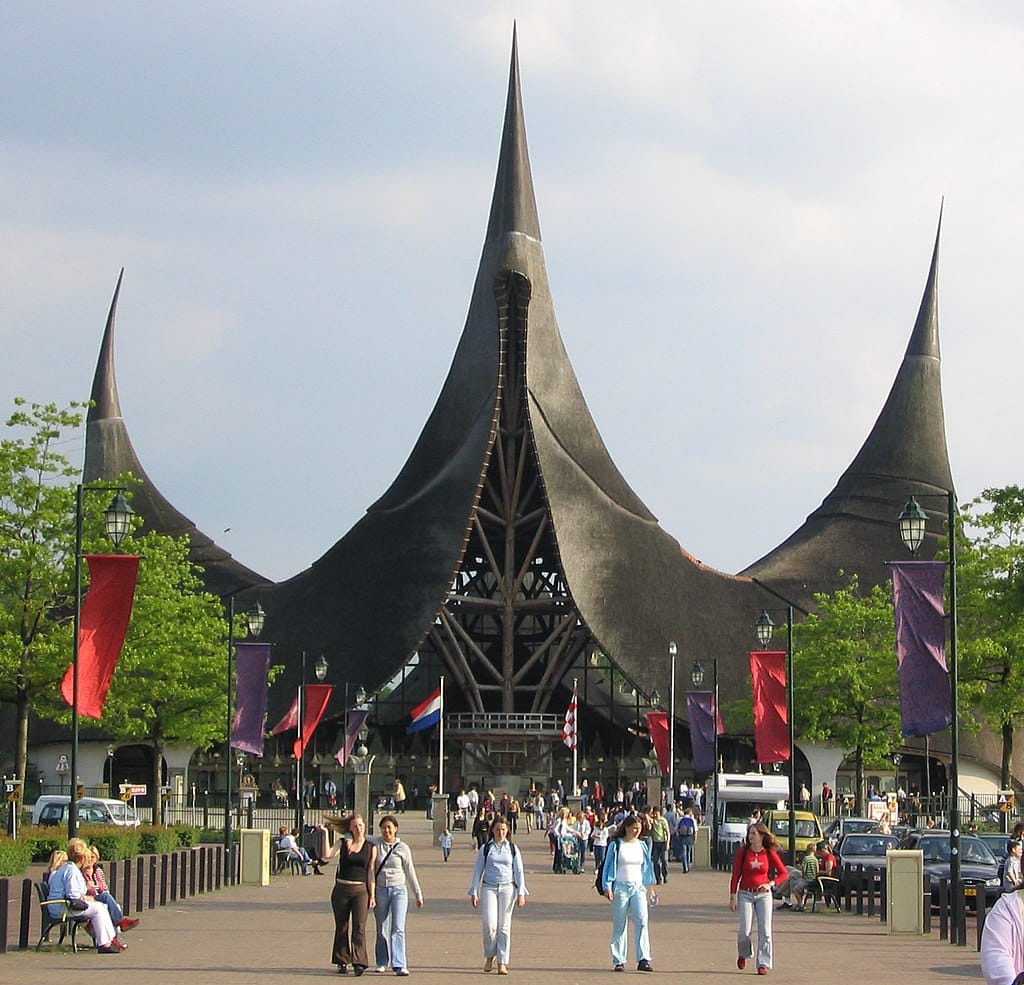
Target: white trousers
760 904
497 904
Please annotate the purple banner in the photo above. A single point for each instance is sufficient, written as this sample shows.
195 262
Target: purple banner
917 595
252 661
700 707
355 718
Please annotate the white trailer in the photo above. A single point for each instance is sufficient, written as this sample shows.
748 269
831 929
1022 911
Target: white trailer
740 795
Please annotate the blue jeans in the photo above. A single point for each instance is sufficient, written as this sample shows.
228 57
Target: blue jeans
116 913
749 904
497 904
629 901
686 853
392 902
599 852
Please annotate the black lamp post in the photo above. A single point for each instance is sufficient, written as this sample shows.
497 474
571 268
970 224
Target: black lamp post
360 696
117 518
697 679
254 619
672 652
320 668
912 524
765 628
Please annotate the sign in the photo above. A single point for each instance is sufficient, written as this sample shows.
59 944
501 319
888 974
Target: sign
134 789
63 767
1006 801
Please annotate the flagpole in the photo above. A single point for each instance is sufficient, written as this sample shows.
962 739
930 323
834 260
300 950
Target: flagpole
575 742
440 744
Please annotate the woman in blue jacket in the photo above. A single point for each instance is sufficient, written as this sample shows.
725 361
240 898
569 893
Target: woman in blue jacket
626 874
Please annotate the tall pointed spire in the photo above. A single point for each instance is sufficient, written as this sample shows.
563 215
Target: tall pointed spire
513 207
105 403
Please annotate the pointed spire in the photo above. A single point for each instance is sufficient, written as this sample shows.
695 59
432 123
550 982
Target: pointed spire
105 403
513 207
924 340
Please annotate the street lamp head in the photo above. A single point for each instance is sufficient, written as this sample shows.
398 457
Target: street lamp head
655 697
912 521
764 628
320 668
118 519
897 758
360 695
255 619
672 649
697 674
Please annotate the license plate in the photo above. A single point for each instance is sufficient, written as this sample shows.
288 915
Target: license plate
970 891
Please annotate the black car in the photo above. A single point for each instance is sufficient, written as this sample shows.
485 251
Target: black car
996 843
979 871
867 850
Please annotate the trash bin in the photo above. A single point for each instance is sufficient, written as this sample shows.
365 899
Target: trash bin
904 873
254 847
702 849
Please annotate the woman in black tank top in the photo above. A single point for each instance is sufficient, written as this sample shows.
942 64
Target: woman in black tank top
354 893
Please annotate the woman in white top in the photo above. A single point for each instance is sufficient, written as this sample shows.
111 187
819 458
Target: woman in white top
626 874
498 886
396 876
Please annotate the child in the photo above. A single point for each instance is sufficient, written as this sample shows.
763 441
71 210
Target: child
445 840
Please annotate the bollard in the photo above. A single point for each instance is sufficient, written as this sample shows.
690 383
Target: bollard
152 882
979 914
27 894
126 892
164 863
944 910
174 875
5 902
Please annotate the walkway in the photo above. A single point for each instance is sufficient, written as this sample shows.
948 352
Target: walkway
284 931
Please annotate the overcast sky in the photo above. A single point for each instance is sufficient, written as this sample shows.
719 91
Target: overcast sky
738 204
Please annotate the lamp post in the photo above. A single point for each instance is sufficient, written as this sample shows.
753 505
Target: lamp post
672 651
360 699
697 679
117 519
765 628
912 525
320 669
254 619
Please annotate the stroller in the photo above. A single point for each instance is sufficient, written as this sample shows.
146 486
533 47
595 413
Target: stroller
569 855
459 820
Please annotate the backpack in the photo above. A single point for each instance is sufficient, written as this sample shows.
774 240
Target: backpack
687 827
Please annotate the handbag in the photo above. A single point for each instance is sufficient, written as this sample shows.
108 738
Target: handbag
78 905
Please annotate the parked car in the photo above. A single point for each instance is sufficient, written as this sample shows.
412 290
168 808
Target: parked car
808 830
863 849
996 843
52 810
841 826
979 871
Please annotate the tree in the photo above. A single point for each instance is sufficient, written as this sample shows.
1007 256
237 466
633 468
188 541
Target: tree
990 597
37 502
845 678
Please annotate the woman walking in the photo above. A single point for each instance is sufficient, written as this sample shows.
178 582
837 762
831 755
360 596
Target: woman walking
625 876
354 894
498 885
395 875
756 871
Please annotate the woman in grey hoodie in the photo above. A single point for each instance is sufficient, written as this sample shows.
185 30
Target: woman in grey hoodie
396 876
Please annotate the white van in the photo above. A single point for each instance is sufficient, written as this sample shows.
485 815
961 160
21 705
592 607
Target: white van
52 810
739 795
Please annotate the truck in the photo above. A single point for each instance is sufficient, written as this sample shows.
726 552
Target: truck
739 796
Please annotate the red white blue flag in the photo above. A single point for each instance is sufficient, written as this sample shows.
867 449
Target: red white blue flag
427 714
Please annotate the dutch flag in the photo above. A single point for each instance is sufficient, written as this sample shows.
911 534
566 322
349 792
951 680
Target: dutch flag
426 715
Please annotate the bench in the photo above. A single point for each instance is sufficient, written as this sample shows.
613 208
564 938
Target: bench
67 918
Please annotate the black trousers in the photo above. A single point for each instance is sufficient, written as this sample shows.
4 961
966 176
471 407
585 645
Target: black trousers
350 904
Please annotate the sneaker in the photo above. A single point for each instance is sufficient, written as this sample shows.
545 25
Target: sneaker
358 969
127 923
381 968
741 963
343 969
644 965
762 970
502 969
119 944
619 967
109 949
489 963
402 972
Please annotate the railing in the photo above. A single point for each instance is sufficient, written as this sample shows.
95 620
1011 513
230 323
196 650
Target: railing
508 722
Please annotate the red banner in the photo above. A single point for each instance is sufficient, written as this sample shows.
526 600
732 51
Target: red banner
657 724
317 697
106 612
771 718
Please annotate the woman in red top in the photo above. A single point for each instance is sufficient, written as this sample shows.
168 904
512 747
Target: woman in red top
756 871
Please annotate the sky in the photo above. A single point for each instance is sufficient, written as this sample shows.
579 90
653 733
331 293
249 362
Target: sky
738 204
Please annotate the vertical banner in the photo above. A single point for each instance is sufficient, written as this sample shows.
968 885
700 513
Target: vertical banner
657 725
106 612
704 722
317 697
252 661
290 720
355 718
771 720
926 704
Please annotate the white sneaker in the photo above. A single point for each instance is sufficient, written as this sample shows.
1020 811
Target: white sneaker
381 968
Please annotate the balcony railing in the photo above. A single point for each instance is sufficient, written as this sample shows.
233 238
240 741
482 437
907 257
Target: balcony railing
507 723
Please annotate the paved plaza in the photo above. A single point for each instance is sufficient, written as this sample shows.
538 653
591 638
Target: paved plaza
284 931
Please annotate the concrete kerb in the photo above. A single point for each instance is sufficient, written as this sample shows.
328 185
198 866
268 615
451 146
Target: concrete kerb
276 933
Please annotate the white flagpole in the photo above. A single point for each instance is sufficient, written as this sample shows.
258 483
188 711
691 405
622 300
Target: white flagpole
575 740
440 744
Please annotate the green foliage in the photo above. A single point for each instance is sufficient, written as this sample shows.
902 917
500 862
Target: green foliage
188 835
15 856
215 836
157 841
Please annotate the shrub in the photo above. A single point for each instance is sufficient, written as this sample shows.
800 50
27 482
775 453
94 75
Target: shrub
188 834
157 841
15 856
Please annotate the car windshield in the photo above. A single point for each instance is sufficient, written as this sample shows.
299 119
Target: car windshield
860 845
859 827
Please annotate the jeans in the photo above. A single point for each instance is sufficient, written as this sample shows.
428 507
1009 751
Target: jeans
392 902
686 853
497 904
749 904
116 913
629 901
659 858
599 852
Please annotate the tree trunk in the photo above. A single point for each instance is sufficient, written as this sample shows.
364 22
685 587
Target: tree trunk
1006 766
21 735
157 778
860 792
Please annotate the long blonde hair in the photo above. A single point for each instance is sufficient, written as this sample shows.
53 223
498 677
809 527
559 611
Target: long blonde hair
58 859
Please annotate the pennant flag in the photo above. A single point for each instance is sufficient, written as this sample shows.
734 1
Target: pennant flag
317 697
253 663
771 719
704 723
427 714
926 704
569 729
106 612
355 719
290 720
657 725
